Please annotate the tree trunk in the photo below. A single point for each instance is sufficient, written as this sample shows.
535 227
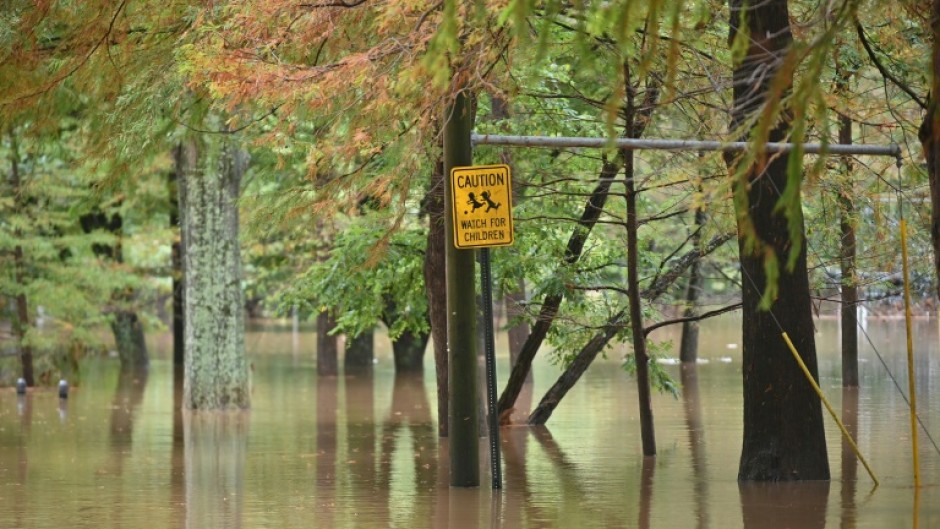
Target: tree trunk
127 328
436 287
688 345
641 357
21 325
848 311
930 137
408 350
327 345
784 437
129 340
360 351
216 369
176 252
551 303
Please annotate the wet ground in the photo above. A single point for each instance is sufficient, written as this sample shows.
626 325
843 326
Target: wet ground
362 451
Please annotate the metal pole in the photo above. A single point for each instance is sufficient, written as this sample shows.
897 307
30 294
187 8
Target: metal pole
678 145
490 353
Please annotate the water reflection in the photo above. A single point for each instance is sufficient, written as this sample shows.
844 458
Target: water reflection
692 407
784 504
215 446
849 461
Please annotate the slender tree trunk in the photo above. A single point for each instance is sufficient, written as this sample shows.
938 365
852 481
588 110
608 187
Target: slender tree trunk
849 308
930 136
688 345
22 318
177 260
436 287
327 345
551 303
21 326
784 437
129 340
641 357
216 369
360 351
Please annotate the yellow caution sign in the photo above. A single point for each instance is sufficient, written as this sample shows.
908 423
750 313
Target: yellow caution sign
482 206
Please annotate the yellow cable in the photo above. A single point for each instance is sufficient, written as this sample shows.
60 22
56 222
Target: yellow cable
845 433
912 390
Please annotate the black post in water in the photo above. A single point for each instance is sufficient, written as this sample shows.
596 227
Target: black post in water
460 269
490 352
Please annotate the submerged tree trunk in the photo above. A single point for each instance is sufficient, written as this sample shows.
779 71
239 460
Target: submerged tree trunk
848 311
436 287
641 357
327 345
176 252
129 340
408 350
360 351
21 325
551 303
784 437
216 369
930 137
688 344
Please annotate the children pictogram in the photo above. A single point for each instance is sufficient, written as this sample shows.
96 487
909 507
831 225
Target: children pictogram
489 202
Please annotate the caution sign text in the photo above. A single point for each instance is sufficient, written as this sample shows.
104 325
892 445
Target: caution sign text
482 206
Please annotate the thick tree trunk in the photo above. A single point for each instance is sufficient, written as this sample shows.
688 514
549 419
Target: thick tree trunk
360 351
327 345
688 344
129 340
784 437
930 137
848 311
551 303
436 287
216 369
408 350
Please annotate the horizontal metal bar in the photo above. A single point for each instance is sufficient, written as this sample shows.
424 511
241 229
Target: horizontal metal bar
678 145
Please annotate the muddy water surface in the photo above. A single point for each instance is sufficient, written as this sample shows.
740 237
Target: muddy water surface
362 451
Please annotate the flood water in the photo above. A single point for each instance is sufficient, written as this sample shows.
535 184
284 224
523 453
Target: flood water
363 451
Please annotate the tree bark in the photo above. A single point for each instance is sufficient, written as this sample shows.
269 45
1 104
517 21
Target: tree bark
784 437
216 369
327 346
688 344
129 340
360 351
551 303
408 350
436 288
176 252
641 357
929 135
848 311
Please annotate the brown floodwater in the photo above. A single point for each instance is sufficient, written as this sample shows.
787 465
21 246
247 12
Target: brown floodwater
362 451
